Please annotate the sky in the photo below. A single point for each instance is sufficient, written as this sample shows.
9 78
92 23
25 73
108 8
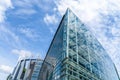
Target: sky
28 26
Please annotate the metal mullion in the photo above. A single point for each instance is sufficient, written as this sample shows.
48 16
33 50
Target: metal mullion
89 55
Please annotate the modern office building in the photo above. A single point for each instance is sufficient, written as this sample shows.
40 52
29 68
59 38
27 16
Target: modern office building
26 69
75 54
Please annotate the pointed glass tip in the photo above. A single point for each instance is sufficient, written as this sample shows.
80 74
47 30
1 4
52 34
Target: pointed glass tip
68 9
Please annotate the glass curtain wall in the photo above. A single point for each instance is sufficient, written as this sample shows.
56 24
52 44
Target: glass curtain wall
36 69
75 54
27 69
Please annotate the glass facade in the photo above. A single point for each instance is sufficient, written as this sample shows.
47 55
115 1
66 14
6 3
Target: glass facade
75 54
36 70
27 69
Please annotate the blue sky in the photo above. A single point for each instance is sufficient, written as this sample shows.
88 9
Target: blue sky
27 27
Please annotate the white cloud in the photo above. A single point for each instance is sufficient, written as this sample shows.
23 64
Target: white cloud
5 30
6 34
50 19
25 12
22 53
26 7
30 33
87 10
51 30
9 37
3 75
4 5
116 31
6 68
102 18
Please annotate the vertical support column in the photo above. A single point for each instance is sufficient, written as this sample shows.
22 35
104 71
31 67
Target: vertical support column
76 40
64 37
67 33
116 71
27 70
99 70
67 52
15 74
89 54
21 69
76 43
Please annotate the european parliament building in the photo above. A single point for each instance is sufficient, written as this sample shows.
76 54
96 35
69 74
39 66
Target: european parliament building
75 54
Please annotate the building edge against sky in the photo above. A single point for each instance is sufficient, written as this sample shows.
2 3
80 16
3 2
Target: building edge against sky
75 54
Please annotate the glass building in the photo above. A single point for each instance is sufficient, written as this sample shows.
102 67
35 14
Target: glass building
27 69
36 70
75 54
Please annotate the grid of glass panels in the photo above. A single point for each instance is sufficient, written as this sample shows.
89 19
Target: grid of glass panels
27 69
36 70
51 68
75 54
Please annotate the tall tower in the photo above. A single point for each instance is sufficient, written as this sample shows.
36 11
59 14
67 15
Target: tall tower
75 54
